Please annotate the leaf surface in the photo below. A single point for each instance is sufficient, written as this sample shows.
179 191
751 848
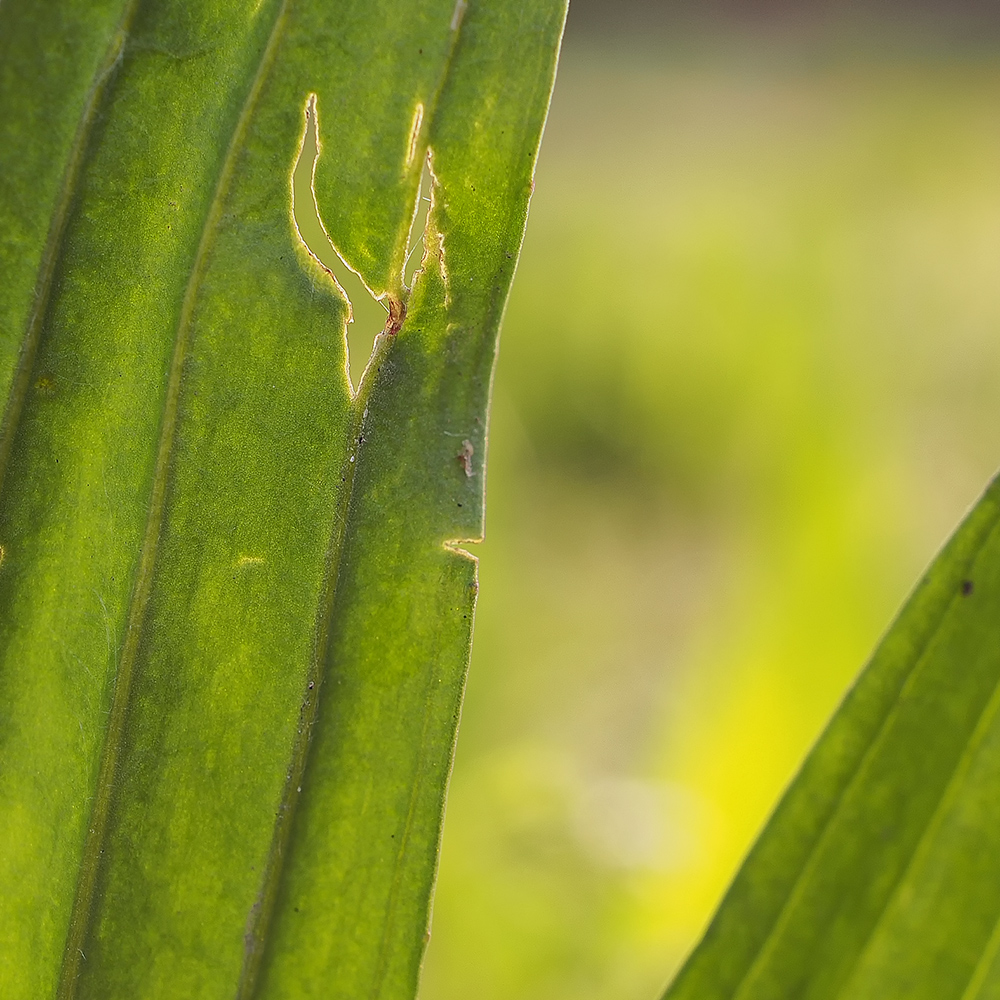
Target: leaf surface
878 876
234 613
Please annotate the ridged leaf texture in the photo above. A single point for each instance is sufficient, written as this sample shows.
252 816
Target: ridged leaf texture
235 610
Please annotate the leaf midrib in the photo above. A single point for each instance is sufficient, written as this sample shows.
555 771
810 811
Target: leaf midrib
284 821
82 913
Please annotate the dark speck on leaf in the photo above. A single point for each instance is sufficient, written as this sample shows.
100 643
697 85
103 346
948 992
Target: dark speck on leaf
966 588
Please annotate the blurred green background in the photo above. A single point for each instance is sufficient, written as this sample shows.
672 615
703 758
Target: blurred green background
747 385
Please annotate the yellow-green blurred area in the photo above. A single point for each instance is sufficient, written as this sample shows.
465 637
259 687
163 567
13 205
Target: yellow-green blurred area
749 380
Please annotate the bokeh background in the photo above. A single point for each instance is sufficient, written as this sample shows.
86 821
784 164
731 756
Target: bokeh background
749 381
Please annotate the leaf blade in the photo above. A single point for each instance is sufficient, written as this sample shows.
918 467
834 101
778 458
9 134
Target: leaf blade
226 621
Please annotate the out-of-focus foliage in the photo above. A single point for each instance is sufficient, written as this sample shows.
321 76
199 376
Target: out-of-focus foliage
747 387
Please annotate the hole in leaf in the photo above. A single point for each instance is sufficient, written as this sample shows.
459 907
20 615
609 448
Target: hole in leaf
411 146
418 227
368 313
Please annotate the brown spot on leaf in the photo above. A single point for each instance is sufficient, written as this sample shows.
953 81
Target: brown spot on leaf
397 313
465 457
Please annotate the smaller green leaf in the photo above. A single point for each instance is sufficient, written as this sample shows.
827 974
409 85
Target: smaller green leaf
879 874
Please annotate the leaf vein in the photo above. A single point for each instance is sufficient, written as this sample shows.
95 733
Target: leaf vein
986 717
274 869
82 912
54 244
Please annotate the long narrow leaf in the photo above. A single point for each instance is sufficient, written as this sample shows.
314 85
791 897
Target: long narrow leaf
234 611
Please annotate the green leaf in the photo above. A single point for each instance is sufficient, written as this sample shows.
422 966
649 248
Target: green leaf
879 874
235 616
